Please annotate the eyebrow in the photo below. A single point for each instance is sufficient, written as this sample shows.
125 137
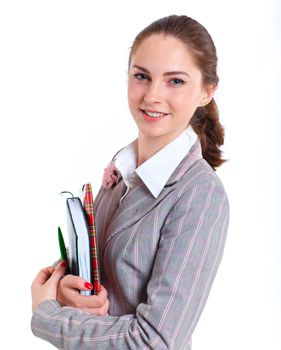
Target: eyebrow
176 72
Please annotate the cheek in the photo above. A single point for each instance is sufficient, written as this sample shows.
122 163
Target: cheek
187 100
179 101
134 93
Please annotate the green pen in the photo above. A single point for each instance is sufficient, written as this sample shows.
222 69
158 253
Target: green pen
63 253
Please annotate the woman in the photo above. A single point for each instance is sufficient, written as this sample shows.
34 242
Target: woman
161 214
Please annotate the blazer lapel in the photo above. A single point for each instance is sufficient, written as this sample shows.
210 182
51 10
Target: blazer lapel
194 154
113 217
106 207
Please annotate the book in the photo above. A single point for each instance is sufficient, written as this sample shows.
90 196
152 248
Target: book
80 260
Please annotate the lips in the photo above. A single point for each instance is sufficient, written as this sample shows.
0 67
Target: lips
153 115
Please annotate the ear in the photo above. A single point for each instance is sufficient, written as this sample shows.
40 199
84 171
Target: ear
207 95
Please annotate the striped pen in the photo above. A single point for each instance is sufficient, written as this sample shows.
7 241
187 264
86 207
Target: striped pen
88 204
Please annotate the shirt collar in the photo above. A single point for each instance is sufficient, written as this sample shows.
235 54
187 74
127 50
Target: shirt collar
155 171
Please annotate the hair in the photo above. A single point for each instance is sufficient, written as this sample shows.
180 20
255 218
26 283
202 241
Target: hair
199 43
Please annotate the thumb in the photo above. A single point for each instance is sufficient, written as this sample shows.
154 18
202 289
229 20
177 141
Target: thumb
43 276
59 272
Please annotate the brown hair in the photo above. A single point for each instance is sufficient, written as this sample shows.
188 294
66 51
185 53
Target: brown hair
205 120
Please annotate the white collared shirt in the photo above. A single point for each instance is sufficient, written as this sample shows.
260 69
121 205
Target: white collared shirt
156 170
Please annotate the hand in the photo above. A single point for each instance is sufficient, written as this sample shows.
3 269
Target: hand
44 287
69 294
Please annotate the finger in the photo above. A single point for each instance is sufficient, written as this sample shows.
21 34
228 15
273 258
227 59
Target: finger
95 301
102 291
43 276
76 282
102 294
51 269
58 272
73 284
98 311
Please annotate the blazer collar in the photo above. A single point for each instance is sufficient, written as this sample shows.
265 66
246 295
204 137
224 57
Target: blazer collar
112 217
192 156
155 171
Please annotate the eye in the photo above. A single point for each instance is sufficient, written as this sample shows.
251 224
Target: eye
141 76
177 81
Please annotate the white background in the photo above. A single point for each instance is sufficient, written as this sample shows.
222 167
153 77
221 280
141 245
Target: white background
64 114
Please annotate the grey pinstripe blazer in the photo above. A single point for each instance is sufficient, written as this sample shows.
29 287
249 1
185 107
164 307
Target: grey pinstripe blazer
159 258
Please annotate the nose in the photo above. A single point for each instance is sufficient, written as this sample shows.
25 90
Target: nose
153 93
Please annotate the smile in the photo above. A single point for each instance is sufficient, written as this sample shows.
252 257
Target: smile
154 114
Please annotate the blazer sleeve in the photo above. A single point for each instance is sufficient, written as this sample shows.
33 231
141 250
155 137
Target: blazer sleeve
189 253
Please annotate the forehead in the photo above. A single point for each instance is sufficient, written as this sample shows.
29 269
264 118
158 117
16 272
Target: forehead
163 52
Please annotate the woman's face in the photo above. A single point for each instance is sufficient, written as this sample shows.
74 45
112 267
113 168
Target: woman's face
164 87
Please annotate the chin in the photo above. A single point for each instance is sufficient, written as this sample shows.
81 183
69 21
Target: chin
151 133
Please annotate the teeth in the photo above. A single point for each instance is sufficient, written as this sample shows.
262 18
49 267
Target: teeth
154 114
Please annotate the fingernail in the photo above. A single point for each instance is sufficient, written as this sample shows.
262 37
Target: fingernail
88 285
63 263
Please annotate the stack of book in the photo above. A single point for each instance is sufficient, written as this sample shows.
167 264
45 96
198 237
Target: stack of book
83 251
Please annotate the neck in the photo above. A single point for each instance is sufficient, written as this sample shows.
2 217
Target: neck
148 146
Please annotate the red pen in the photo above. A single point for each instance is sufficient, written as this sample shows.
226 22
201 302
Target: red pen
88 204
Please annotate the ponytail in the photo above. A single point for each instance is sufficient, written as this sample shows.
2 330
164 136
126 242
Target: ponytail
207 126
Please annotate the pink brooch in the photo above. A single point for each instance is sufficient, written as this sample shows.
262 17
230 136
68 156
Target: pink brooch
111 176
